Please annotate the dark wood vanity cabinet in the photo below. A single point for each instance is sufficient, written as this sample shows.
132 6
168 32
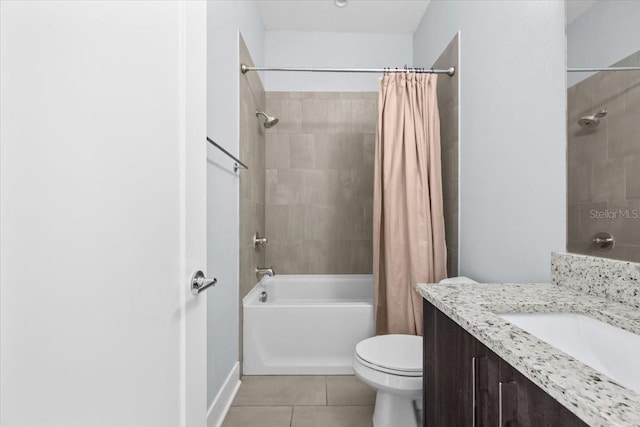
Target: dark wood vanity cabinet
466 384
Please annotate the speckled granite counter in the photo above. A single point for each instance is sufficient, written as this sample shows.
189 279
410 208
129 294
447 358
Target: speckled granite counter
615 280
589 394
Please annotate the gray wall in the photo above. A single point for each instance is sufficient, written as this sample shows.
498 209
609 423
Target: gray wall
252 188
224 20
604 164
331 49
449 106
512 131
319 182
602 36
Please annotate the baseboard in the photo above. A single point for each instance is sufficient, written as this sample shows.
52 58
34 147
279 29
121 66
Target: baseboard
222 402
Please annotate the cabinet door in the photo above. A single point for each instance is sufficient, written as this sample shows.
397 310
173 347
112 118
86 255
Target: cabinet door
448 355
485 378
524 404
429 343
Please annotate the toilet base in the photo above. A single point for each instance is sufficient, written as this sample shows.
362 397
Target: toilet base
393 410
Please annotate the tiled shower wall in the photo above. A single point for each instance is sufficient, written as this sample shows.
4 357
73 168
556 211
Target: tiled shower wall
319 182
252 153
603 188
448 106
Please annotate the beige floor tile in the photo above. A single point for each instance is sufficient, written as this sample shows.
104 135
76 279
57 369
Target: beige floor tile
332 416
349 390
258 416
281 390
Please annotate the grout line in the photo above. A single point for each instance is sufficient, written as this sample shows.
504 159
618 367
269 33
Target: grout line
348 404
333 406
278 405
326 391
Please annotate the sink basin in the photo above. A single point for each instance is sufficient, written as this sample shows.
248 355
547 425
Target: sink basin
606 348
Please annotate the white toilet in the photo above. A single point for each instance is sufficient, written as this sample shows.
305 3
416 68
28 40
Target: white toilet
392 365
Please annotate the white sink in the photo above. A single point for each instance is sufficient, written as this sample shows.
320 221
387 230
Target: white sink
606 348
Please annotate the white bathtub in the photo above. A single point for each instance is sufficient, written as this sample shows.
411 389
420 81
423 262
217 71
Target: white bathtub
309 325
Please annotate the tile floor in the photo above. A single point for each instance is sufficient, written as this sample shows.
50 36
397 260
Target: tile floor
301 401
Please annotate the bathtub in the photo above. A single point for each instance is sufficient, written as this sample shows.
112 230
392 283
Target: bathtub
308 325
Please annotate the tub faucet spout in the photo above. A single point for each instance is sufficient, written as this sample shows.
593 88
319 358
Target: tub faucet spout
264 271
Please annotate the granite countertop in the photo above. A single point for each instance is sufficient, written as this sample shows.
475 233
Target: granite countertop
591 395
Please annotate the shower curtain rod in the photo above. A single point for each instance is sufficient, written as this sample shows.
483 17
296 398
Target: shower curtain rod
450 71
581 70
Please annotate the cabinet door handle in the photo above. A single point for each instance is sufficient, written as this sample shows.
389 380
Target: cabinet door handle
474 405
507 402
474 390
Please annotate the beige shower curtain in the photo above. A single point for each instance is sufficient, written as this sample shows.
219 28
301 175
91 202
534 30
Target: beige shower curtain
408 220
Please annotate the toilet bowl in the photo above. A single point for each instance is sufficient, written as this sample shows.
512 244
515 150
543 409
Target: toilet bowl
392 365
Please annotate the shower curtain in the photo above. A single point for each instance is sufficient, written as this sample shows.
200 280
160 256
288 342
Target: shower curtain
408 219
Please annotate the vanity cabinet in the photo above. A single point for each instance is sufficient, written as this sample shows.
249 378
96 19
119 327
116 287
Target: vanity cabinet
466 384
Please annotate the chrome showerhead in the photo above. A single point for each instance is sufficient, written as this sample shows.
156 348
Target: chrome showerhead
592 121
269 121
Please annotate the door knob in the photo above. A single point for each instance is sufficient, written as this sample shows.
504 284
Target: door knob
199 283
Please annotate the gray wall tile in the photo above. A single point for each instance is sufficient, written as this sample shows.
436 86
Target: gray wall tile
447 92
608 90
289 111
277 156
301 151
252 181
365 115
624 132
339 116
327 151
632 178
319 205
315 115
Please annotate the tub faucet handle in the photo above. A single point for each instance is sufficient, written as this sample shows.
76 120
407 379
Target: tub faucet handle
603 240
259 241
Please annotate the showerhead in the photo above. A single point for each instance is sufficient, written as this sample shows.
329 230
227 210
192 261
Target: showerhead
592 121
269 121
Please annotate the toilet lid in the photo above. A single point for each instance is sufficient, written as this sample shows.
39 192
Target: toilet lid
401 353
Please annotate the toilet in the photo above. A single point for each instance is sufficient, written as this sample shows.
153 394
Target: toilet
392 365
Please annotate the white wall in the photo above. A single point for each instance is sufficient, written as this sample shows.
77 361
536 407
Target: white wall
348 50
225 19
605 34
512 131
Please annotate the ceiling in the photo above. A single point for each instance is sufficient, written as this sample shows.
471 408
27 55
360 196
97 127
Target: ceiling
359 16
575 8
